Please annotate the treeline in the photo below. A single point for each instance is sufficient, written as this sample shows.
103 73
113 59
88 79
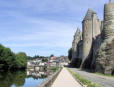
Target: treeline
35 57
38 57
10 60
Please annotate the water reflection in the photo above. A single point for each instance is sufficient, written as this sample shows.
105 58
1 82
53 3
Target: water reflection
21 79
35 74
9 78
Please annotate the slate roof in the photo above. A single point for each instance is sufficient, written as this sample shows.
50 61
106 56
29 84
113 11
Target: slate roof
89 14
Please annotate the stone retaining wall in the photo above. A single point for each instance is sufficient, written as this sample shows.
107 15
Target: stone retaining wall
49 81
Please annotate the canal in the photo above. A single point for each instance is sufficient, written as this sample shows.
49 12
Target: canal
19 79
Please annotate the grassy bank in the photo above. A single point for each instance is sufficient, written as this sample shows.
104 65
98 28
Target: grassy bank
83 80
106 75
55 69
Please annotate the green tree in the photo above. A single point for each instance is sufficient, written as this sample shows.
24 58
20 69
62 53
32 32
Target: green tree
44 60
21 60
7 58
51 55
70 54
1 59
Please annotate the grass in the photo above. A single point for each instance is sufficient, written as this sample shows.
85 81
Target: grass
106 75
83 80
55 69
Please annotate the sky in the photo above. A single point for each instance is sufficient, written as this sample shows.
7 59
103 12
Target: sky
43 27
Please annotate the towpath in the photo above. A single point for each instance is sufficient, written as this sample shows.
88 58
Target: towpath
65 79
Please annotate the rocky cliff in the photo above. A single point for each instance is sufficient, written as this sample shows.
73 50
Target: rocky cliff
105 58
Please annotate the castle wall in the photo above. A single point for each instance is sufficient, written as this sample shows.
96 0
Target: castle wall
96 45
74 50
80 50
77 38
97 29
76 62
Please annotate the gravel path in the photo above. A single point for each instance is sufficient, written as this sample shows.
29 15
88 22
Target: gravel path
102 80
65 79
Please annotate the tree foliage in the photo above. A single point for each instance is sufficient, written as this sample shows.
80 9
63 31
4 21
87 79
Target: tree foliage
10 60
70 54
35 57
21 60
51 55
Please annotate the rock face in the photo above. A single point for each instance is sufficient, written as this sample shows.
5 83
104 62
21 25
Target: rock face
105 58
95 48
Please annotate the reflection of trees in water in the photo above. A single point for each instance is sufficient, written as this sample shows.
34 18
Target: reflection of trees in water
36 77
7 79
19 78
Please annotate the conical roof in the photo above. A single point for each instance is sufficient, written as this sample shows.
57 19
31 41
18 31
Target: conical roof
89 14
77 31
77 35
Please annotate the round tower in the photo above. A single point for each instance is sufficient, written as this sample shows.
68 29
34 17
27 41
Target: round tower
87 34
91 29
109 21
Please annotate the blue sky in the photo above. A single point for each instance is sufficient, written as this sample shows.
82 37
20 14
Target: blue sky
43 27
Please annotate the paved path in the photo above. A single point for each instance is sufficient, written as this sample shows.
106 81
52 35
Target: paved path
65 79
102 80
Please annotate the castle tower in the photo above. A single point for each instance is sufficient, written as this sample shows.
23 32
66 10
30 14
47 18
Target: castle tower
109 21
77 38
105 55
91 28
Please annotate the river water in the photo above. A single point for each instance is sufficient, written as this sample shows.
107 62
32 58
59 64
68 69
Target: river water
19 79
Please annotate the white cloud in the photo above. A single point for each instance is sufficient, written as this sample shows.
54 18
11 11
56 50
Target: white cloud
55 34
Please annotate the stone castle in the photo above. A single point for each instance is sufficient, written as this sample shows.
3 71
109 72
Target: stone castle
93 48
